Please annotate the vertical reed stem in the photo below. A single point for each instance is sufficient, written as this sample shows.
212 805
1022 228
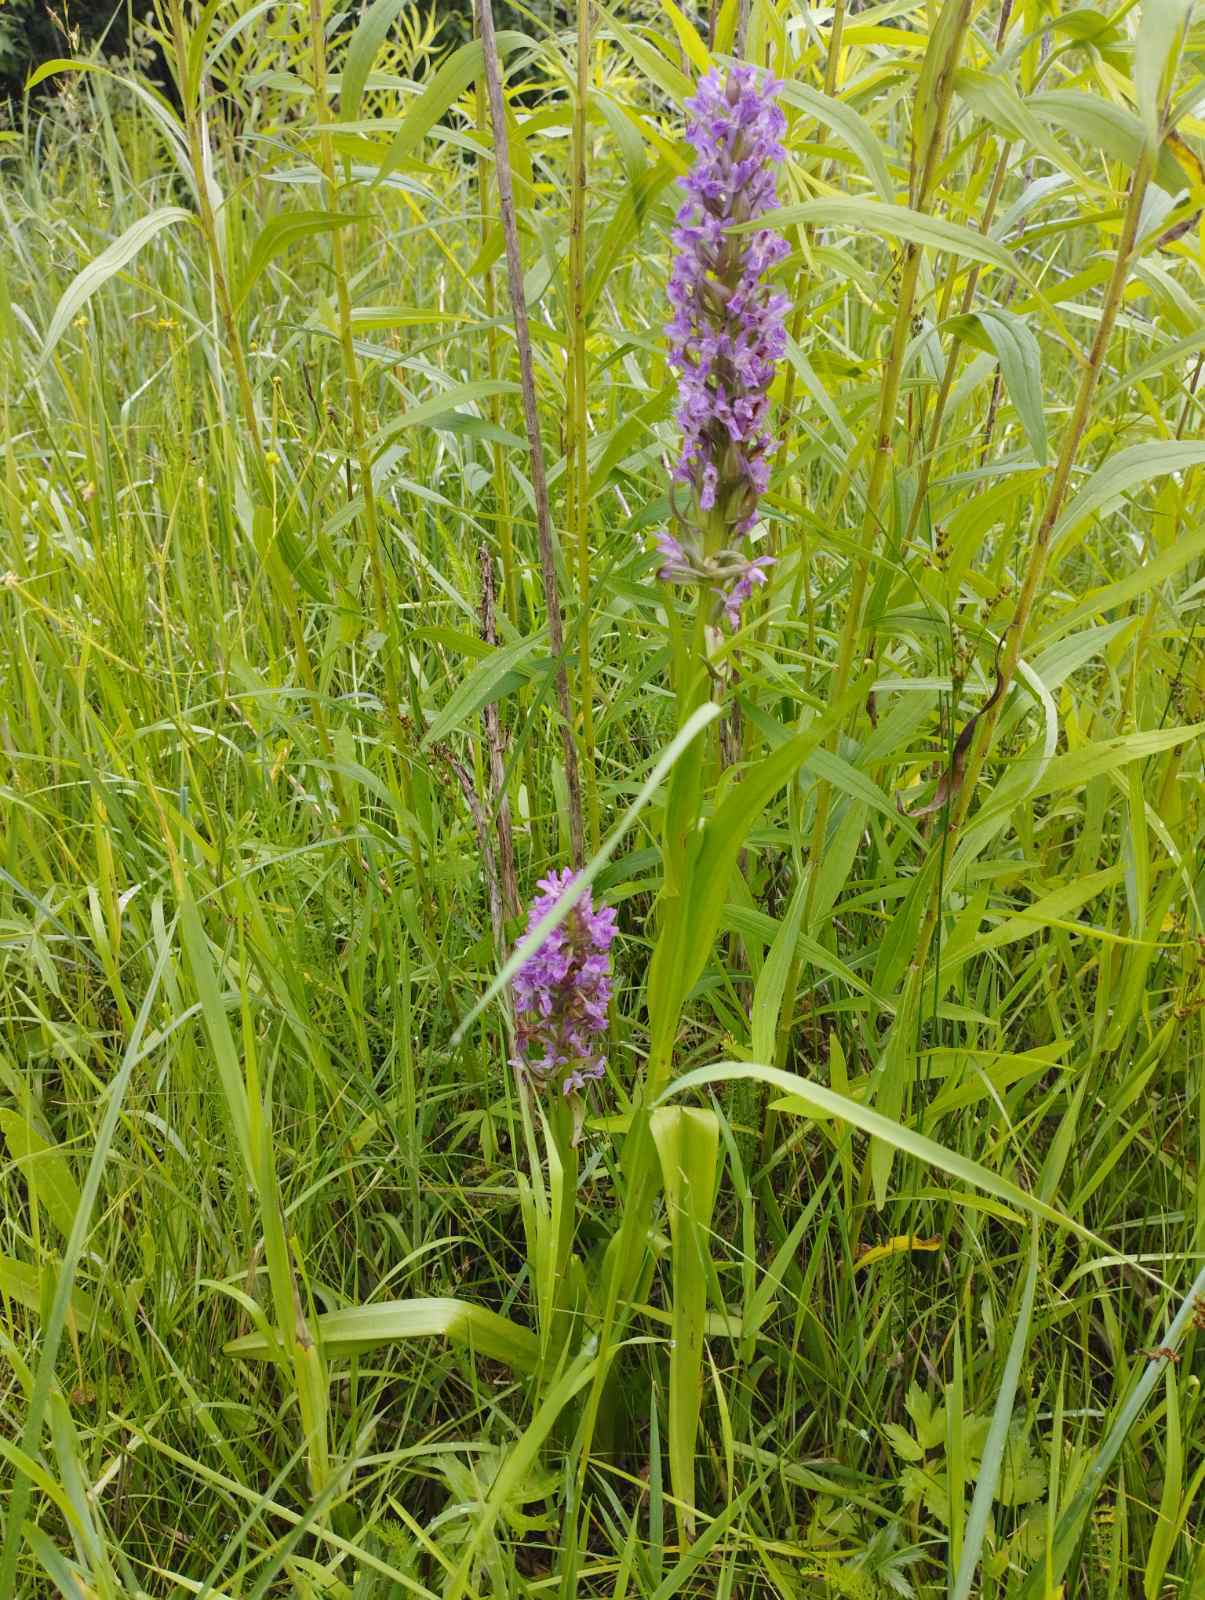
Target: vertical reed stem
923 184
1040 550
539 478
577 470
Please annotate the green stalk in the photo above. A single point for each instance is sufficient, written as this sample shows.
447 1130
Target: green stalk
531 420
968 300
577 475
501 481
355 401
1039 551
929 454
949 44
209 228
834 48
351 365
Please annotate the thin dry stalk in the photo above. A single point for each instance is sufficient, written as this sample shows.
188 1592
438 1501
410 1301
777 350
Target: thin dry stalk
495 747
539 478
485 843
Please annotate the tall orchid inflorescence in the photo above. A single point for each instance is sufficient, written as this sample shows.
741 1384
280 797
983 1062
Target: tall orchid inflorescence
562 992
726 334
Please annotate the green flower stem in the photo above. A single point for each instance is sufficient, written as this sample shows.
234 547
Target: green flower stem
1035 569
947 44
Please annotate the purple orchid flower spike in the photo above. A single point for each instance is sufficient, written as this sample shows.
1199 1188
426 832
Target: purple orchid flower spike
561 995
727 332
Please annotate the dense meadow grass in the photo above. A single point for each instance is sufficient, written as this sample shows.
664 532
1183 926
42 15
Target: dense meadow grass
877 1269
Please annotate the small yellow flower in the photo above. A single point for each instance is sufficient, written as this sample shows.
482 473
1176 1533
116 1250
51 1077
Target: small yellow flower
272 458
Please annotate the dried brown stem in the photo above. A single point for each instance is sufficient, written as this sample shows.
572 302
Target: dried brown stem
539 477
495 747
481 827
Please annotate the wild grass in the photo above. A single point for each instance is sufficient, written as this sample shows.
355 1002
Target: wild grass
878 1270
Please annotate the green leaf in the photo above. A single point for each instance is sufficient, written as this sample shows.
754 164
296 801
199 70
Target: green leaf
437 406
504 669
688 1142
850 126
815 1097
998 1436
1139 464
1119 593
106 265
995 97
356 1329
688 37
1108 128
276 236
669 78
370 34
217 1026
44 1168
446 86
902 1443
727 831
1159 31
769 990
897 222
928 1416
1074 768
1020 359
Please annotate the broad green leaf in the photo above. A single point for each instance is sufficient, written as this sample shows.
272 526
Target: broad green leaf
998 1435
356 1329
445 86
1119 593
769 991
688 1142
370 34
1111 129
1139 464
669 78
726 834
1074 768
441 405
106 265
1020 361
994 96
1161 25
1055 907
278 234
898 222
826 1102
44 1168
850 126
688 37
504 669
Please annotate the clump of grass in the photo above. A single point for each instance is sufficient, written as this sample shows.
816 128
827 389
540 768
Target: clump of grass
878 1267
